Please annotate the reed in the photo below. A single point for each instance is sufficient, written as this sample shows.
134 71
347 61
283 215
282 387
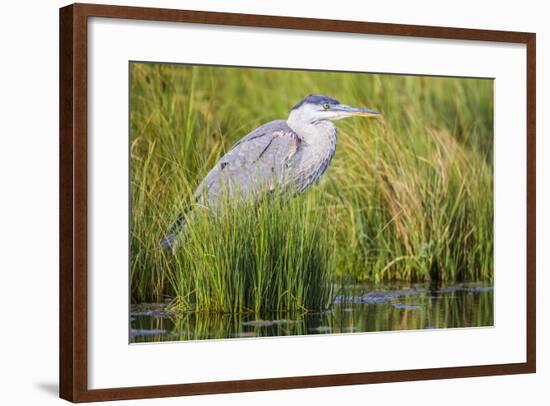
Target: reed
273 256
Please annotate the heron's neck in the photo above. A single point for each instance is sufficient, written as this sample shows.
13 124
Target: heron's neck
316 150
318 133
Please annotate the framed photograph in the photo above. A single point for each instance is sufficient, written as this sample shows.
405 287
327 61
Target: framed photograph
255 202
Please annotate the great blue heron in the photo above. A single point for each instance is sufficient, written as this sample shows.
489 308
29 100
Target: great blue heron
284 155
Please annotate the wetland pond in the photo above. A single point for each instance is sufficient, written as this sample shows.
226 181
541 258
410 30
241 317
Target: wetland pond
360 308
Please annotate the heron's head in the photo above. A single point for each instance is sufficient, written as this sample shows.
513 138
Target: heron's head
316 108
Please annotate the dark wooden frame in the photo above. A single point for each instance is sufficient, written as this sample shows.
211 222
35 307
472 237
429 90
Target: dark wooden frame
73 201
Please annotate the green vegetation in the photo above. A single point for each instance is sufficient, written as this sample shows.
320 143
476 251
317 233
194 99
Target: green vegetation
273 255
409 201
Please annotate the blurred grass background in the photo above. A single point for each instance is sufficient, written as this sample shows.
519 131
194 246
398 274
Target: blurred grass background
411 201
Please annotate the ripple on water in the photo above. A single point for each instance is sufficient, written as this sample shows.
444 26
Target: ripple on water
134 332
321 329
267 323
404 306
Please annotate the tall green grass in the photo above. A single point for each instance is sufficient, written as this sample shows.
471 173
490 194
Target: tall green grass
273 256
408 201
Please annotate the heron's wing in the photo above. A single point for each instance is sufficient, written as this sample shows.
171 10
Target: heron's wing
259 160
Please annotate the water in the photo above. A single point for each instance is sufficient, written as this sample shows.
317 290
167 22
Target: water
359 308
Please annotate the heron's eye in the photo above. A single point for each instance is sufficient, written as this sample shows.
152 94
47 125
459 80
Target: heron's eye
326 106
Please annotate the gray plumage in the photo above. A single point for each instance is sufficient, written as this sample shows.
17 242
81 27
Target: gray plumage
272 156
283 156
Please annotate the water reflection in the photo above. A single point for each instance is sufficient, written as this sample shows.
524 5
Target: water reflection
355 309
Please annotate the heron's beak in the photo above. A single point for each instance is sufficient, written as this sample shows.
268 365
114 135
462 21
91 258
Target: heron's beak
350 111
